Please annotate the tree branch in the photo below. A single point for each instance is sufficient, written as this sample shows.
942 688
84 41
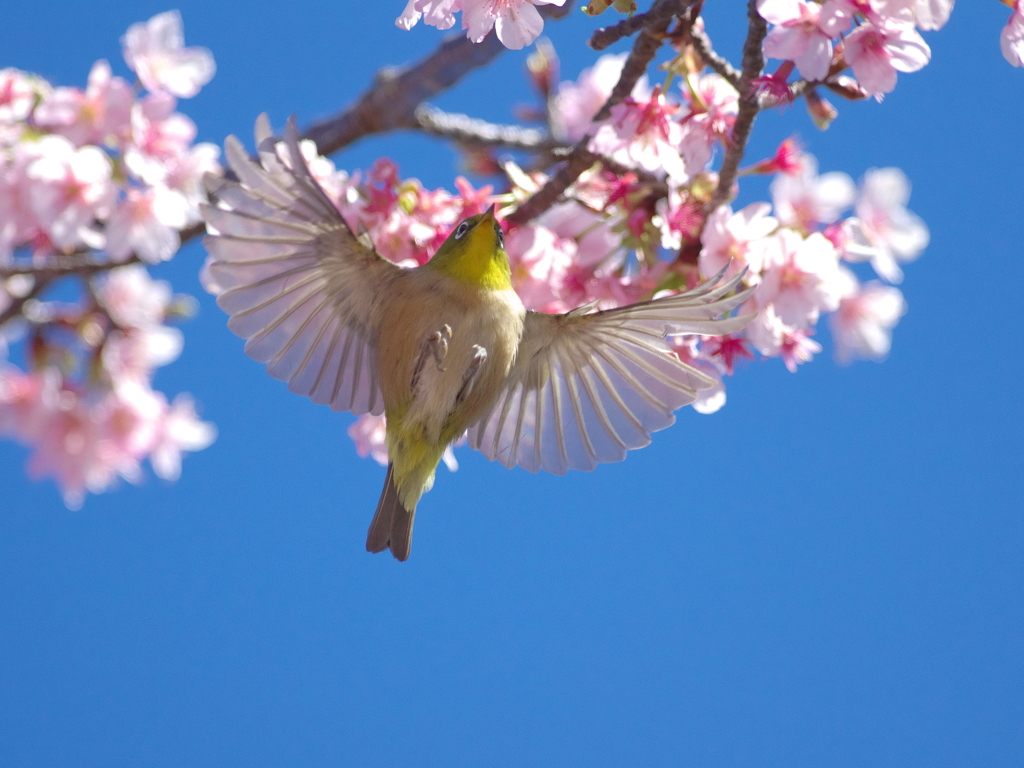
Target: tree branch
581 158
479 133
702 44
753 64
605 36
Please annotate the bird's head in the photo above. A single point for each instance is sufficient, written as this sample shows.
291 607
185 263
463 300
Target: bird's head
475 253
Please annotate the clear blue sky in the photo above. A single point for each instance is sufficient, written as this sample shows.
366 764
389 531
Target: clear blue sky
829 571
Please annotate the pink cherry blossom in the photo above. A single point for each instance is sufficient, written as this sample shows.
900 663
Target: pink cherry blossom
690 351
92 116
801 278
132 298
575 103
862 325
804 200
932 14
592 232
154 51
17 94
70 188
884 232
179 430
134 354
146 223
713 108
680 219
642 134
539 260
516 22
772 337
436 13
368 432
160 138
185 175
737 239
1011 39
877 51
797 36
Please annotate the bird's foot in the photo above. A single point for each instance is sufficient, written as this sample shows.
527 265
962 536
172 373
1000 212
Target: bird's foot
472 373
436 345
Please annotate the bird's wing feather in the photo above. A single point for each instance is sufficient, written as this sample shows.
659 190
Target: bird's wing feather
586 388
299 285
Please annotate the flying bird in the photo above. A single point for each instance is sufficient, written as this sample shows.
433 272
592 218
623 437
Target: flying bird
443 349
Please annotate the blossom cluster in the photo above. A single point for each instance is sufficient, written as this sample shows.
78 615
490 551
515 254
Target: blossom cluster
517 23
818 39
90 179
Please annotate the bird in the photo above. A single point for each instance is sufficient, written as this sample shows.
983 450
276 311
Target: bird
443 349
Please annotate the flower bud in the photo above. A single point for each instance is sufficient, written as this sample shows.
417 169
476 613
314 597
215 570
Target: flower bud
821 111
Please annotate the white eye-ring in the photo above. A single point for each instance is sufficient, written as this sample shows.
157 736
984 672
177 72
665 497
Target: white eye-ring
463 229
501 237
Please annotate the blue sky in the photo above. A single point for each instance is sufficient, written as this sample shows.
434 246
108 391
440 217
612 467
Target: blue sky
829 571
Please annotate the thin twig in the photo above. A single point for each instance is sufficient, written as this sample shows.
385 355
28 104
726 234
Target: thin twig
702 44
581 158
753 64
605 36
474 132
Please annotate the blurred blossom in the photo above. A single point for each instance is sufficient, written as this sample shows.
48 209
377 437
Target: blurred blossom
774 338
862 326
154 50
146 223
69 188
1011 39
884 232
575 103
713 105
160 137
803 200
18 94
539 260
436 13
132 298
932 14
179 430
368 432
92 116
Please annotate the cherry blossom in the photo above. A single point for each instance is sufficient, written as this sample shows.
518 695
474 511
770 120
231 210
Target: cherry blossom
713 104
804 200
801 278
862 325
70 188
516 22
877 51
132 298
1011 39
146 223
436 13
154 51
101 112
160 138
575 103
884 232
539 260
689 350
932 14
797 36
179 430
643 134
739 240
773 337
17 94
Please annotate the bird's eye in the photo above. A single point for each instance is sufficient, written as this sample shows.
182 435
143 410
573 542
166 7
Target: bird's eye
463 229
501 237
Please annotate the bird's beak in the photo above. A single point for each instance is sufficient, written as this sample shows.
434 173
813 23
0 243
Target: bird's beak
489 214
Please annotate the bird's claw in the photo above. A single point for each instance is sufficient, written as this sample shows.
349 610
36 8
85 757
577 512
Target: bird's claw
472 371
436 345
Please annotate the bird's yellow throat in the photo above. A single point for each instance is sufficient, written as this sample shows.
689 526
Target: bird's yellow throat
477 257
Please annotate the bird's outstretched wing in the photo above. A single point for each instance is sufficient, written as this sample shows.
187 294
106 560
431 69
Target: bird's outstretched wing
586 388
298 284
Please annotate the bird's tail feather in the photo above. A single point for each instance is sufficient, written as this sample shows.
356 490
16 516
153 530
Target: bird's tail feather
391 527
